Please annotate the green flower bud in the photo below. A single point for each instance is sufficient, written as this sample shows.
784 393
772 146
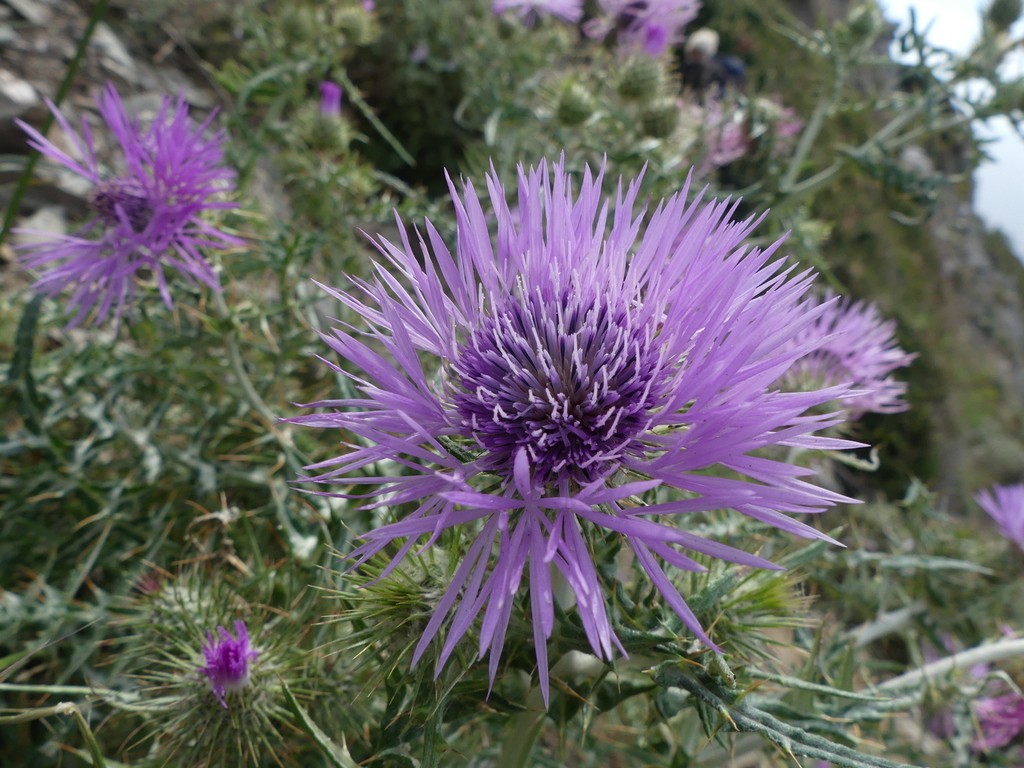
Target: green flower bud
640 79
575 104
865 22
321 132
299 24
1002 14
356 25
660 119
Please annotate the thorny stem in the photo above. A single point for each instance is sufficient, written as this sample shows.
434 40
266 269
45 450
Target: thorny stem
983 654
886 624
746 718
293 460
255 400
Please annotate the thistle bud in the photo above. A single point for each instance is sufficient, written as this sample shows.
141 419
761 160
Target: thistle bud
357 25
575 104
299 24
865 23
1002 14
640 79
323 130
660 119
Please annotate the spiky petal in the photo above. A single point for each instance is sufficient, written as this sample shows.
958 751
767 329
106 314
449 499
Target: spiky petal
855 347
1005 505
526 388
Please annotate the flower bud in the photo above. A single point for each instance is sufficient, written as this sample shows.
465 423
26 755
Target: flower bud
1002 14
357 25
640 79
660 119
575 104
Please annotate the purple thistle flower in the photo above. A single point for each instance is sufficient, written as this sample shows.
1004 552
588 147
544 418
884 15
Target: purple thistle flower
227 661
1005 505
856 347
1000 721
569 11
651 26
529 385
145 211
330 98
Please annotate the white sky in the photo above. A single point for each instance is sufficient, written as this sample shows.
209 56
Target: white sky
955 25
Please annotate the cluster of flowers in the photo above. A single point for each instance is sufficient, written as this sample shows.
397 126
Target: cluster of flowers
528 387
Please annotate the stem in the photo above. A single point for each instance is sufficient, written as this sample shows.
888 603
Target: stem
807 137
58 690
983 654
885 624
98 12
745 717
255 400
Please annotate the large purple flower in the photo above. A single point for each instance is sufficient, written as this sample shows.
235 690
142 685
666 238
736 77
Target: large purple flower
227 661
529 388
856 347
1005 504
146 207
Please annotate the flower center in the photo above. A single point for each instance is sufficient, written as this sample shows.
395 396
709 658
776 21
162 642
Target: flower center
115 199
571 381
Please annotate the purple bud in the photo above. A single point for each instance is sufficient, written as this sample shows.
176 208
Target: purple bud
330 98
227 661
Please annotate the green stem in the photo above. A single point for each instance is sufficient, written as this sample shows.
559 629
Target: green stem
807 137
284 437
744 717
63 708
98 12
57 690
983 654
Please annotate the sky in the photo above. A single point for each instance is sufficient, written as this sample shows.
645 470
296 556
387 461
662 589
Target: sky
955 25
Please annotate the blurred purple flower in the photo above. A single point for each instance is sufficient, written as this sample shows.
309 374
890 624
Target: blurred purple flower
227 661
527 388
1000 721
856 347
570 11
330 98
369 6
1005 505
146 209
655 40
650 26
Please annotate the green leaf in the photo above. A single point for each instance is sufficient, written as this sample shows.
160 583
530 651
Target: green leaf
338 756
917 562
